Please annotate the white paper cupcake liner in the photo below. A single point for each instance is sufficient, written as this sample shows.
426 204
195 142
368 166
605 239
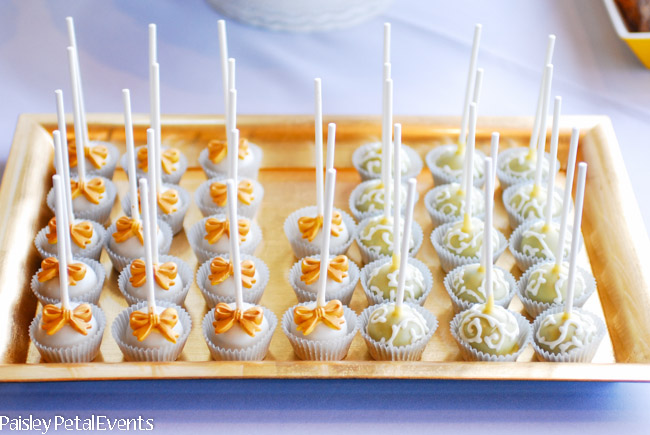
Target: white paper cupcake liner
301 247
251 171
250 295
524 262
175 219
584 354
368 255
169 352
101 212
361 215
388 352
506 180
85 351
257 352
120 261
208 207
449 260
414 158
438 218
374 299
45 249
461 305
343 294
174 296
197 233
173 178
91 295
514 218
108 169
321 350
535 308
470 354
440 176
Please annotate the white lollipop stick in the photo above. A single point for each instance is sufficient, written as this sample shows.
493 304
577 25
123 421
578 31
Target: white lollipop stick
233 146
58 162
232 115
330 182
130 155
469 86
397 145
155 73
231 192
404 248
318 145
478 84
231 74
566 200
60 114
548 78
550 187
82 105
386 45
387 124
487 230
61 242
78 128
538 112
469 176
148 248
387 71
331 145
232 143
152 198
153 45
577 221
494 152
223 56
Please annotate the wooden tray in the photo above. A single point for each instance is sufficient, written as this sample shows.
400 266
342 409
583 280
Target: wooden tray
615 239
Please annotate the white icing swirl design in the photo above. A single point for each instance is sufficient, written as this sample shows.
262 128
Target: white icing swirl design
539 277
372 158
506 329
383 226
410 320
414 281
528 206
374 196
536 233
457 173
585 330
499 285
527 167
457 241
442 203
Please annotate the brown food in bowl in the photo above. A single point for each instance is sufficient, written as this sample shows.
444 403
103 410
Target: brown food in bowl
636 14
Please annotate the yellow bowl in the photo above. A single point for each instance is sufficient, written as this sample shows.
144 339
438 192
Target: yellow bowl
639 42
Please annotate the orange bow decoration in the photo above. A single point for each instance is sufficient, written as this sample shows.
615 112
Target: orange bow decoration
168 159
127 228
55 318
219 193
50 270
309 226
337 269
93 190
307 318
164 274
218 150
221 269
225 318
97 154
143 323
167 201
216 228
81 233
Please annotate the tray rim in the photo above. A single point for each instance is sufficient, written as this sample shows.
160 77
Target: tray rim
620 371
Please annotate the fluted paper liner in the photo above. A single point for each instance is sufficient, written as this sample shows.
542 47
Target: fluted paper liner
388 352
344 294
208 207
99 213
175 296
514 218
175 219
361 215
301 247
507 180
256 352
374 299
45 249
250 171
449 260
91 295
415 163
120 261
535 308
321 350
368 255
440 176
197 233
169 352
459 304
173 178
85 351
250 295
470 354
